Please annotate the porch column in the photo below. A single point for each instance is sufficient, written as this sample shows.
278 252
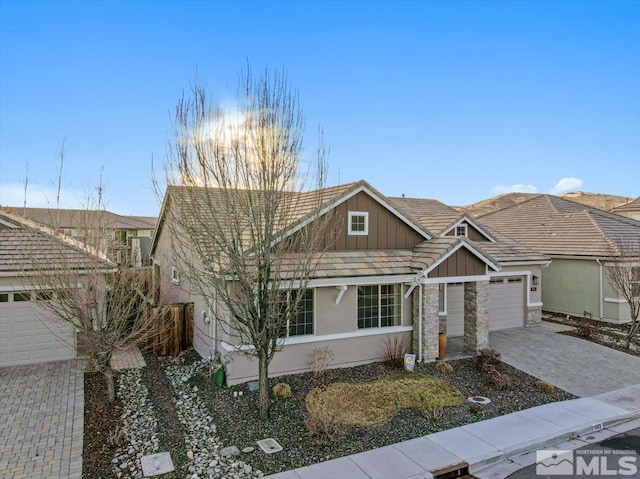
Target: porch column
476 316
430 321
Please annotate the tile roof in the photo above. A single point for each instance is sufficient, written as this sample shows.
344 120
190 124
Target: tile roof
433 215
26 246
75 218
556 226
632 205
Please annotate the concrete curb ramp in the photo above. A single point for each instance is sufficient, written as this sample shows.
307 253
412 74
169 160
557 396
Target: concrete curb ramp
493 448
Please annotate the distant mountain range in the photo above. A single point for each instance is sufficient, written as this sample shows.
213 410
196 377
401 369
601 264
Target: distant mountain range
596 200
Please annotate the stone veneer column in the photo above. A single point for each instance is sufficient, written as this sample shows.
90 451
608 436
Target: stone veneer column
476 316
430 321
534 315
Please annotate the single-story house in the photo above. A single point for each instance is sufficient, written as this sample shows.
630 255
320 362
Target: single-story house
28 332
580 240
127 239
435 270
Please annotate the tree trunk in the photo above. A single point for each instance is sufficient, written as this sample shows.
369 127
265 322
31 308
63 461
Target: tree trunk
263 382
627 343
111 386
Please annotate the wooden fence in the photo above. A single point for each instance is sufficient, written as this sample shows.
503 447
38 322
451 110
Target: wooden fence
175 329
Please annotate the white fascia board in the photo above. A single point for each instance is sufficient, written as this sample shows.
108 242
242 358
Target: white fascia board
343 199
461 244
8 225
312 338
359 280
454 279
615 300
472 223
511 273
525 263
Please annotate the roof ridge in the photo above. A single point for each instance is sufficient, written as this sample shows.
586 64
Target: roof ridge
536 195
605 236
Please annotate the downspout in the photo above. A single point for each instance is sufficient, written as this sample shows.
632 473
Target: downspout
420 323
601 291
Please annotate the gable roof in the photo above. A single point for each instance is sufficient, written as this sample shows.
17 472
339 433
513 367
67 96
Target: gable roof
429 254
78 218
633 205
23 242
301 205
557 226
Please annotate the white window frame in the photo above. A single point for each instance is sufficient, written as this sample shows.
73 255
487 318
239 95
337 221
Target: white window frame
464 227
379 294
364 214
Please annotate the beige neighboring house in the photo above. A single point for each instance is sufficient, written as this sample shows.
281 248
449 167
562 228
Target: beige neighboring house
630 209
127 239
398 268
581 241
28 333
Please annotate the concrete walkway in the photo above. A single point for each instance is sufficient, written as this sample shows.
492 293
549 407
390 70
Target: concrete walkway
493 448
578 366
42 420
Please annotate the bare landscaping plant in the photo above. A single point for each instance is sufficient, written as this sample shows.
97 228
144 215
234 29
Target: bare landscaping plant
324 425
444 368
394 349
488 361
319 360
281 391
586 329
545 387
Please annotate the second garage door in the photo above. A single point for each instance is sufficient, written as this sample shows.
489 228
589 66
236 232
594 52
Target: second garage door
506 303
26 337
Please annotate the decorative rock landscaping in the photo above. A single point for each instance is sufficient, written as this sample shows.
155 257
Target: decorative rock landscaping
207 458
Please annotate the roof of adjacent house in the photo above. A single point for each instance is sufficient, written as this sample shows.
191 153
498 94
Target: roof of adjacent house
632 205
556 226
78 218
26 246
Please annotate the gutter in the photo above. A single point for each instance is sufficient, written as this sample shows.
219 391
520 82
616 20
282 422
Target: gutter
420 323
601 302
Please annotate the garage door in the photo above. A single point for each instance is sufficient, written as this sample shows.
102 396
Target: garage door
506 303
27 336
455 310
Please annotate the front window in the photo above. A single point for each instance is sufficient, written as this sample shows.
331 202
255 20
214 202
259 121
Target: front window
301 322
379 306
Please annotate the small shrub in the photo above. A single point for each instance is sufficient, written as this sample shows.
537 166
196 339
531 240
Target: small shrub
444 368
488 357
281 391
319 360
324 425
586 329
118 436
395 348
545 387
498 379
475 408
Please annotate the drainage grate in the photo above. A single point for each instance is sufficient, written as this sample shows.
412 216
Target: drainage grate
156 464
459 470
269 445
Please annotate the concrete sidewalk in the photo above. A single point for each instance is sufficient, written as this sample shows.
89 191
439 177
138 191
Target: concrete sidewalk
493 448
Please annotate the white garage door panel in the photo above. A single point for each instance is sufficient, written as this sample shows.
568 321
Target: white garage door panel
455 310
27 337
506 304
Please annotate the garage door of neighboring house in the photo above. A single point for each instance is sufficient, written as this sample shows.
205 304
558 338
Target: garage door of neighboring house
27 337
506 302
455 309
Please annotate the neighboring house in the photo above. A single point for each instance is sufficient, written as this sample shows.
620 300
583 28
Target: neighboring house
127 238
580 240
29 333
399 267
630 209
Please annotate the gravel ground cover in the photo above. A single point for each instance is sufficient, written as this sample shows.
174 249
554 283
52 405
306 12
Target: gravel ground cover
173 406
605 334
235 412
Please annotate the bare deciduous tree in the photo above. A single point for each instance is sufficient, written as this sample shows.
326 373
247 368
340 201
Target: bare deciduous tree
76 283
246 222
623 273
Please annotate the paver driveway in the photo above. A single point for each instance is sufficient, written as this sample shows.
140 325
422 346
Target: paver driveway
578 366
41 420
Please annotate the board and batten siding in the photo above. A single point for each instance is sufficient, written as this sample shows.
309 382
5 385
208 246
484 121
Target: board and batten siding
461 263
386 231
472 233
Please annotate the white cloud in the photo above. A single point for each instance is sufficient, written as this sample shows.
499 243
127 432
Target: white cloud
568 183
517 188
38 196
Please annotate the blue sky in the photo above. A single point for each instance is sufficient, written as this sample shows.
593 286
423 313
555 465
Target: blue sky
452 100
